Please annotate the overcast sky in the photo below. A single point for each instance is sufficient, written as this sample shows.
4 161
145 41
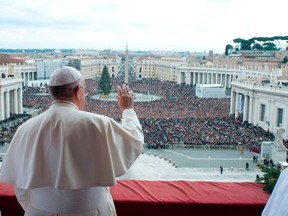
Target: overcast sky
179 25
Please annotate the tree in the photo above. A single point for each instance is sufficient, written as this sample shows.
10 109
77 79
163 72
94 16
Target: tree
244 44
285 60
105 84
269 46
271 175
257 46
228 49
261 43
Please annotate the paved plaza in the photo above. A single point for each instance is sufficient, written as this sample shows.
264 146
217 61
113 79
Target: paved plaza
189 164
138 97
196 158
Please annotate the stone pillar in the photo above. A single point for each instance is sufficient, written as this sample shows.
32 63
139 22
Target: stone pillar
230 79
279 154
7 103
2 113
194 78
250 109
15 98
237 105
126 65
188 78
179 78
245 111
25 79
256 111
221 79
232 102
203 78
20 100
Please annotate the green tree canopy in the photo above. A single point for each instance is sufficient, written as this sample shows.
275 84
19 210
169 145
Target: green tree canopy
243 44
105 84
269 46
228 48
257 46
261 43
285 60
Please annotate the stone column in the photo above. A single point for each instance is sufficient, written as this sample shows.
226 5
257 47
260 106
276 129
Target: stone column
26 78
194 78
232 102
15 98
237 105
221 79
230 79
2 113
204 78
7 107
188 78
256 111
179 77
245 111
20 100
250 109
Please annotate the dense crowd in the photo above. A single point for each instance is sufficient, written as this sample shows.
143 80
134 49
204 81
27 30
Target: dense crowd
9 126
178 117
226 132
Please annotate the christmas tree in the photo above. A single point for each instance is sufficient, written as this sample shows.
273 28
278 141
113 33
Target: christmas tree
105 84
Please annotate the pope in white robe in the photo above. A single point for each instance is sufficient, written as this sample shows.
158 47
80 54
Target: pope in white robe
63 161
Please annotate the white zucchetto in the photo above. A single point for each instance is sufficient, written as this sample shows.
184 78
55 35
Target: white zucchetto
63 76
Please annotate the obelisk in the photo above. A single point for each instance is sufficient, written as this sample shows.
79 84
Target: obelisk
126 65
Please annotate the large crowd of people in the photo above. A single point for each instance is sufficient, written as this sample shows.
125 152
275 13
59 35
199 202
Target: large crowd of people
223 133
9 126
178 117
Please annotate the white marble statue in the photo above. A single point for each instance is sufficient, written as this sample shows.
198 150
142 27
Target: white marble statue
278 141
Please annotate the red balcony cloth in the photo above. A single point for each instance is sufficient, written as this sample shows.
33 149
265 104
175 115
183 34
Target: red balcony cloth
179 198
8 203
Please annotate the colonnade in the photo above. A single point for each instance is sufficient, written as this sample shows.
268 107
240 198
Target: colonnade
241 103
28 71
11 101
204 77
28 76
263 105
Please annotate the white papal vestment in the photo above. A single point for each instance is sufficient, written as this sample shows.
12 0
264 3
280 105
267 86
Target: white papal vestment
278 201
62 161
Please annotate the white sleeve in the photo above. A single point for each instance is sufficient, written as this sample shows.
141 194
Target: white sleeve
131 121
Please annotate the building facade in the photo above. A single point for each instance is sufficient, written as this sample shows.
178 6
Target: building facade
46 67
10 96
261 103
